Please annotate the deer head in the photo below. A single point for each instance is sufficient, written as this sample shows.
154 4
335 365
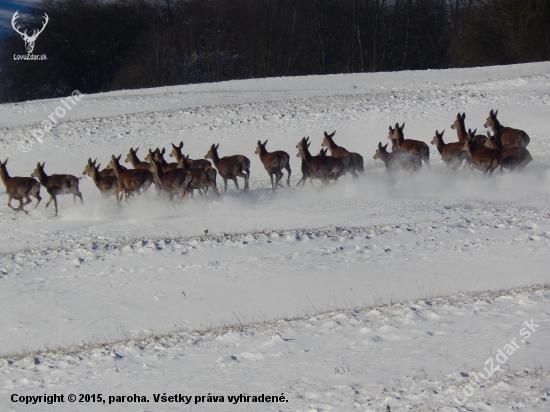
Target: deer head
29 40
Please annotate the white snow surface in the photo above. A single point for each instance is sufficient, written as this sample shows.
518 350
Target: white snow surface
359 296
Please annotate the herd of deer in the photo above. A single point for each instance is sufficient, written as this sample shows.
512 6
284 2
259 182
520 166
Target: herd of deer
505 148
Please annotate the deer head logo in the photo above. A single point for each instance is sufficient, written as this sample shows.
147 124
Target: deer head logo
29 40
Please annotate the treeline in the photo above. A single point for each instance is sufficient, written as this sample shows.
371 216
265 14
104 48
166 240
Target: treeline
105 45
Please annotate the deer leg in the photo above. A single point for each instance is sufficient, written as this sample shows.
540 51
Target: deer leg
215 189
37 196
14 208
224 184
234 178
272 186
280 176
289 172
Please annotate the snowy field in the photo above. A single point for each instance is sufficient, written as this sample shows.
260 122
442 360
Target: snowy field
378 291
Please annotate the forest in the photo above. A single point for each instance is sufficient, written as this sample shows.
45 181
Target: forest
97 46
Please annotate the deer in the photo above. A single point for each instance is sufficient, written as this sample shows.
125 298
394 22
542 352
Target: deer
57 185
321 168
398 159
304 166
230 167
29 40
400 143
508 136
193 164
484 159
166 167
19 188
172 182
107 185
460 127
132 158
353 162
130 181
103 173
273 163
202 178
451 153
513 157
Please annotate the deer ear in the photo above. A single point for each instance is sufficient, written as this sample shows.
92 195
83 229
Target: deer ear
390 129
474 132
385 146
218 145
97 167
463 116
181 145
491 112
403 125
437 133
43 164
397 125
5 161
259 143
325 133
163 151
137 148
187 157
379 144
309 144
265 142
496 112
443 132
119 156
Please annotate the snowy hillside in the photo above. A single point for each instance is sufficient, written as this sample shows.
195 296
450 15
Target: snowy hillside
360 296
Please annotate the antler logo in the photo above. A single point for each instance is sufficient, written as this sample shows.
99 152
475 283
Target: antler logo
29 40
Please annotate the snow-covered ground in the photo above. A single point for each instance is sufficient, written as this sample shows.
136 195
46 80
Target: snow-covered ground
332 297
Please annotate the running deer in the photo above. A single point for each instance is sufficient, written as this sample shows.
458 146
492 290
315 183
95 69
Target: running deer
414 146
132 158
172 182
321 168
103 173
273 163
201 178
166 167
130 181
304 166
19 188
107 185
513 157
57 185
193 163
484 159
508 136
230 167
399 159
460 127
451 153
353 162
